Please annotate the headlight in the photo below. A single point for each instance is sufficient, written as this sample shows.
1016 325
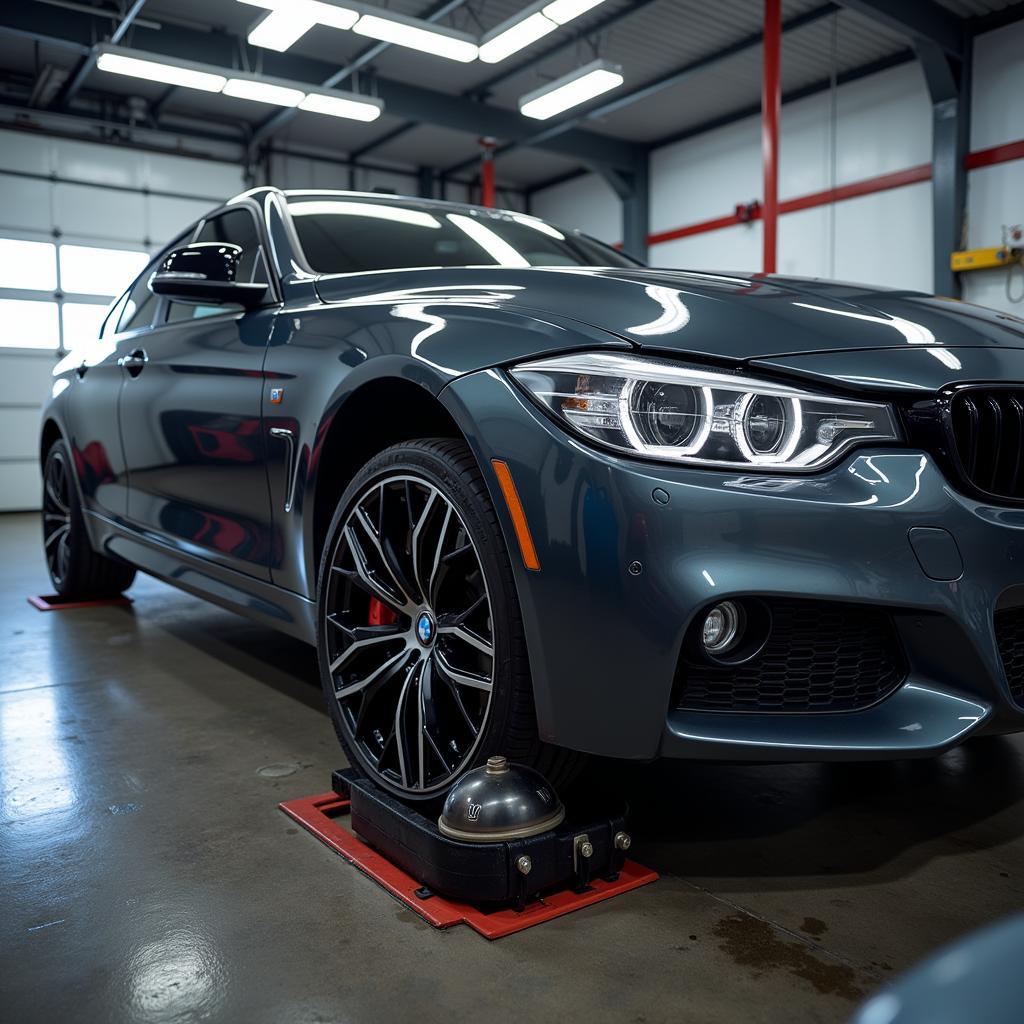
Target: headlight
665 410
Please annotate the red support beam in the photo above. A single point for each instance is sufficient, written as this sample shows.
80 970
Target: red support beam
488 193
771 105
882 183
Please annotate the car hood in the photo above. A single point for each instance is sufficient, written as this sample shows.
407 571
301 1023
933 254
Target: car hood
731 316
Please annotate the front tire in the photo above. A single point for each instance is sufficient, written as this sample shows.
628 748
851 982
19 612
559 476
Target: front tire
76 571
420 638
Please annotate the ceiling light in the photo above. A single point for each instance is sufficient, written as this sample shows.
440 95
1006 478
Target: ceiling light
355 108
581 85
263 92
288 22
493 244
561 11
280 28
166 74
408 32
514 35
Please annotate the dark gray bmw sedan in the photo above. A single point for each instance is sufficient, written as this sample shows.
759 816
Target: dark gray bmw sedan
530 497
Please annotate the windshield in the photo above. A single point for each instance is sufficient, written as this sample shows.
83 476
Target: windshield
351 235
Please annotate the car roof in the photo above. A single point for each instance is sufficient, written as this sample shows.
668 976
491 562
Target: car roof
379 197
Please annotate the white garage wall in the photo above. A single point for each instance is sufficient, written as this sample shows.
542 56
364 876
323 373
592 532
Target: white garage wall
883 126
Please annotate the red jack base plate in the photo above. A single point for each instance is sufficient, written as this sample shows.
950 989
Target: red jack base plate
56 603
317 814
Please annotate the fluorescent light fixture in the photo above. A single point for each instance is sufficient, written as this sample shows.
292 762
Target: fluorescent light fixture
277 91
561 11
378 211
514 35
400 31
351 106
288 22
577 87
494 245
264 92
169 73
280 28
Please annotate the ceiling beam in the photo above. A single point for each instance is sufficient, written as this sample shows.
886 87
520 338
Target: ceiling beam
481 89
921 21
77 77
277 121
547 136
76 29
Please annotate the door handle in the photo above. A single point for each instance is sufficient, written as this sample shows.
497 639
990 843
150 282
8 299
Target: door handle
286 435
134 362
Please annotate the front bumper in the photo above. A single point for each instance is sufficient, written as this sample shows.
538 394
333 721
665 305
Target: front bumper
604 643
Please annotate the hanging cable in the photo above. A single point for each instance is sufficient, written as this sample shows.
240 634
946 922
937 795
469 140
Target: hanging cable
833 142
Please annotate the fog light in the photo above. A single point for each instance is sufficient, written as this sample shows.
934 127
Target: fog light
721 628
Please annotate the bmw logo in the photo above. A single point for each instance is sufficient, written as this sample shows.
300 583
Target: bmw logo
425 629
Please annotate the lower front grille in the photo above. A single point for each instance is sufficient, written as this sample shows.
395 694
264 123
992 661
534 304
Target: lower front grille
987 426
820 657
1010 638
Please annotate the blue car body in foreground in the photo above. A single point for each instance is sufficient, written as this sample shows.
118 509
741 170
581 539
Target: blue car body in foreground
882 574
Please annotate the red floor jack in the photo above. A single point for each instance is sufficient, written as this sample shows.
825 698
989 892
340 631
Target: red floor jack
472 865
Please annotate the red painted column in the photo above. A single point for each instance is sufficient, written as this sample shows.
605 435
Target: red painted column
771 101
487 189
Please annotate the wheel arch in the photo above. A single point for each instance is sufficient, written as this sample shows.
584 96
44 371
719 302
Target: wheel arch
50 434
379 413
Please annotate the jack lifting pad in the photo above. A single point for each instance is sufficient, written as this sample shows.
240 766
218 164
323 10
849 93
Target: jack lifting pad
448 882
56 603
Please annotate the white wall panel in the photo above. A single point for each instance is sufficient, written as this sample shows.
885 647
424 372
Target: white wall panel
20 486
24 203
586 203
997 115
886 239
736 248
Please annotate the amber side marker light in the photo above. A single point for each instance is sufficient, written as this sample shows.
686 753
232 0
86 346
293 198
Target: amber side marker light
515 510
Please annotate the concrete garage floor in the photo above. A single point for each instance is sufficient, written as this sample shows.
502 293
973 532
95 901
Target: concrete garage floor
146 873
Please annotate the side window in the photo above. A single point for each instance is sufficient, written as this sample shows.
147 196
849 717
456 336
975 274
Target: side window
113 318
141 304
236 227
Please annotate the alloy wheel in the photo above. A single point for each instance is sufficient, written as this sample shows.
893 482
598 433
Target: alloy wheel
409 636
57 516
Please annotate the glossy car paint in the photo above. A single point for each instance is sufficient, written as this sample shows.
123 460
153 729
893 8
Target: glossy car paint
183 498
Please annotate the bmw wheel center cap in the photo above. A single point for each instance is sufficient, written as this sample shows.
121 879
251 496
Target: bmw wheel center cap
425 629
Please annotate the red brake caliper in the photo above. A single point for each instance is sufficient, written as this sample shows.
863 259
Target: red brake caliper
381 614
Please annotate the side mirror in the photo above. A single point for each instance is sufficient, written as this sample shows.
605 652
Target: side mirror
204 274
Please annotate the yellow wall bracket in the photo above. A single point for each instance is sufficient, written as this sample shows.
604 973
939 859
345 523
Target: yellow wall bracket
984 259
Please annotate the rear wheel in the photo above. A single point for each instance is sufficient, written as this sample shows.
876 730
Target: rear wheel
421 646
76 571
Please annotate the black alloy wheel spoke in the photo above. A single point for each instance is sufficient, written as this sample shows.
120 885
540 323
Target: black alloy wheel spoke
57 516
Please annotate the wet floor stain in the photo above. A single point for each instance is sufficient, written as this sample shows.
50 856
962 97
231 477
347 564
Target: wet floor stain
814 926
751 942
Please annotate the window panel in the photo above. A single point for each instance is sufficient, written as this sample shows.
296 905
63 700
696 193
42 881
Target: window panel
29 324
82 323
28 264
93 271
